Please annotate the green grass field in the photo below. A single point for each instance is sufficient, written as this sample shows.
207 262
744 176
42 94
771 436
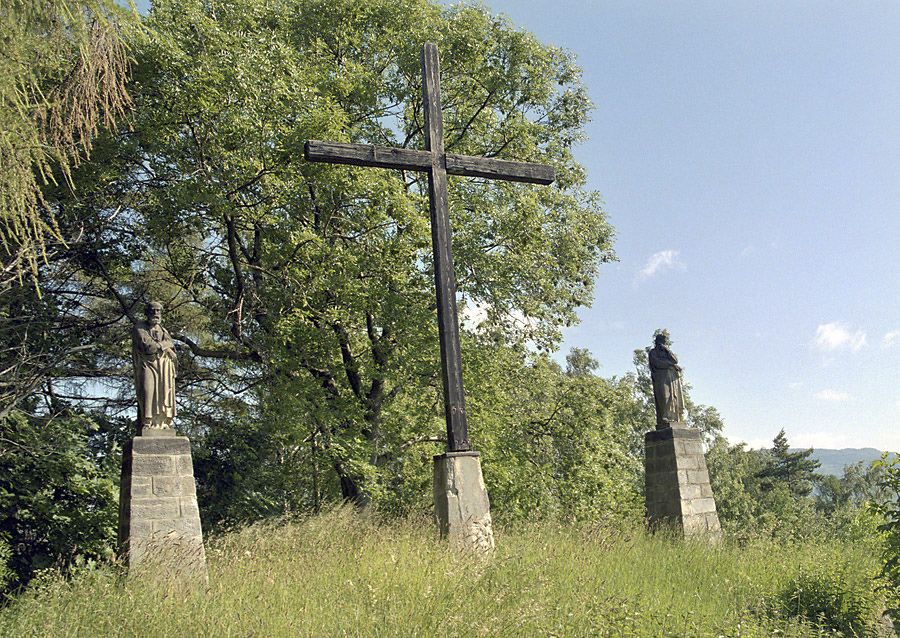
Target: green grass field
344 574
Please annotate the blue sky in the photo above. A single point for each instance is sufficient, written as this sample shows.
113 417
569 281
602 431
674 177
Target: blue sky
749 157
748 153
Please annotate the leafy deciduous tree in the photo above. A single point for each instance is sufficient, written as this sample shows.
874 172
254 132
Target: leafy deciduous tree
307 289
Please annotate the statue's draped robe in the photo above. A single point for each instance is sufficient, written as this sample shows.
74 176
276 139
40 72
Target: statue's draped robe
667 390
154 373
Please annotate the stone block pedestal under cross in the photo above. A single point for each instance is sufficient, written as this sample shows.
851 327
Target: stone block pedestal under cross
677 483
159 521
461 504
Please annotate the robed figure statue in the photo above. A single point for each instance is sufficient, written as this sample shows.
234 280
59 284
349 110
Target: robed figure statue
154 370
667 391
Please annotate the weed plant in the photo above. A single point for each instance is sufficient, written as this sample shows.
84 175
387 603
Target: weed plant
346 574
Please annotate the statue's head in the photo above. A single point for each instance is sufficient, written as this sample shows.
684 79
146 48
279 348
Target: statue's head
660 339
154 312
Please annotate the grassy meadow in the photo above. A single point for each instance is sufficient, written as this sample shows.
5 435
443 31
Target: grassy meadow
345 574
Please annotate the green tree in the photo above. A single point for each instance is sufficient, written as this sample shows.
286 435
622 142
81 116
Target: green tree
771 492
302 294
733 472
551 443
794 470
59 476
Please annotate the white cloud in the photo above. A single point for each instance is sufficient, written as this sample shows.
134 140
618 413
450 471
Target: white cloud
660 262
795 385
832 396
891 339
835 336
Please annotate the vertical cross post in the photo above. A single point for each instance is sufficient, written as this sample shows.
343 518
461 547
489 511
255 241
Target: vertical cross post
444 278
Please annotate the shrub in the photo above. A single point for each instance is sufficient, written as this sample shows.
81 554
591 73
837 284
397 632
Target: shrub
830 599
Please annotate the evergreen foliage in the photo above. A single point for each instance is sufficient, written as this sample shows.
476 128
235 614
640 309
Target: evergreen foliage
793 470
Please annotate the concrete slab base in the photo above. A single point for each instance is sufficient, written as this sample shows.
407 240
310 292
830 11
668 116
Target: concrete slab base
678 491
461 504
159 520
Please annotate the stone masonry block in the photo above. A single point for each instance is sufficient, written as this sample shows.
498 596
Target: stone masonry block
686 433
704 505
658 438
670 509
140 528
152 465
183 465
688 462
655 450
666 464
697 476
694 525
189 528
149 509
685 447
168 486
162 445
141 486
189 507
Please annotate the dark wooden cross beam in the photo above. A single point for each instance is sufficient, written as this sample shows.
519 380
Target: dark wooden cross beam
438 164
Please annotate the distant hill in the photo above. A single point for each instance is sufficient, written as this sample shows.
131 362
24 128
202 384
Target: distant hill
834 461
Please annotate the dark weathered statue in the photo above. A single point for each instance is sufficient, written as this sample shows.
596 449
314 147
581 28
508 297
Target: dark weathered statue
154 370
667 391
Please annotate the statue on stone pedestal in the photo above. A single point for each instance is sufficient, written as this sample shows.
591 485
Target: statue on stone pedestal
667 391
154 370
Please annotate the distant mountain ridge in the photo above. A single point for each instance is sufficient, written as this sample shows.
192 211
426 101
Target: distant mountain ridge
834 461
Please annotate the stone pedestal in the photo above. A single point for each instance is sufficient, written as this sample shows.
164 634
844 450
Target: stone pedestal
677 483
159 521
461 504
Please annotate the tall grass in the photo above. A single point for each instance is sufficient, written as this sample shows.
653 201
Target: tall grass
343 574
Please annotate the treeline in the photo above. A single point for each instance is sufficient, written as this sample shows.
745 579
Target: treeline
160 158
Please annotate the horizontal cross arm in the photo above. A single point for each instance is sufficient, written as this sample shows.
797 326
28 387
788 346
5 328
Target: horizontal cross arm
367 155
409 159
500 169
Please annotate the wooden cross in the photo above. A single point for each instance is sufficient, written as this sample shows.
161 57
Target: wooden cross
438 165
